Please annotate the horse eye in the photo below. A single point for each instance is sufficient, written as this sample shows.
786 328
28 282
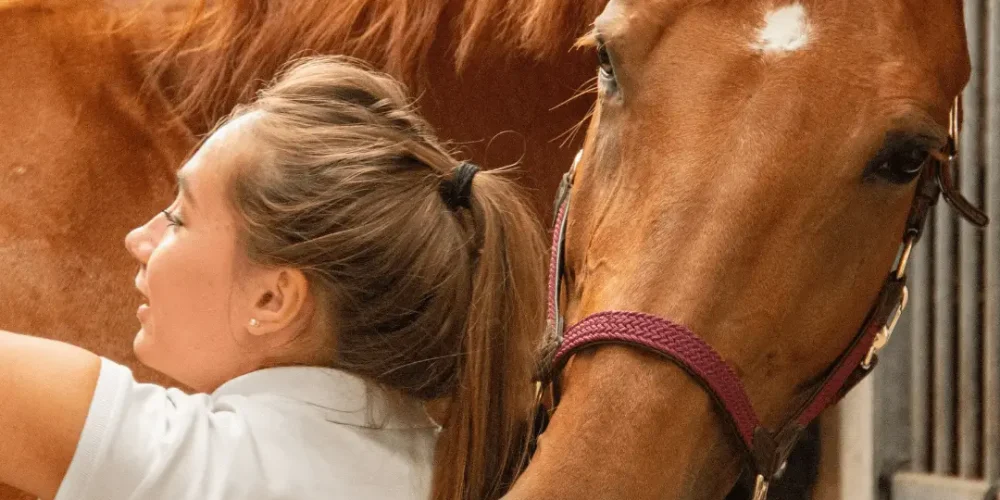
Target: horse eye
901 167
909 165
607 70
899 162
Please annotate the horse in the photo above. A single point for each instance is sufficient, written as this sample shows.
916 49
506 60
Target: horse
731 246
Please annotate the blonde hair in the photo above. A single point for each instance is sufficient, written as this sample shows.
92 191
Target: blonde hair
428 298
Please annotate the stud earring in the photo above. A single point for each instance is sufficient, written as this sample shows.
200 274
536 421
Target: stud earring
254 323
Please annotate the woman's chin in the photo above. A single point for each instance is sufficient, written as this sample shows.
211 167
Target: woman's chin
146 353
142 347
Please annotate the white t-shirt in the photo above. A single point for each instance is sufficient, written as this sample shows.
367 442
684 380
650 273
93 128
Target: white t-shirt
279 433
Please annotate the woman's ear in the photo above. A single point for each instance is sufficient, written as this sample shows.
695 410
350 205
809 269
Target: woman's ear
278 301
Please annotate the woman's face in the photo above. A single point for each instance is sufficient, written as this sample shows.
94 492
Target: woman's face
197 311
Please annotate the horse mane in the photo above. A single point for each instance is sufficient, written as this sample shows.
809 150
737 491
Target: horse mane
227 51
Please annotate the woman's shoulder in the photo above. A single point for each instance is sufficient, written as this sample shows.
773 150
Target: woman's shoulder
333 417
296 432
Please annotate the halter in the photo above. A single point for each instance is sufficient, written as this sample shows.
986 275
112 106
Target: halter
764 451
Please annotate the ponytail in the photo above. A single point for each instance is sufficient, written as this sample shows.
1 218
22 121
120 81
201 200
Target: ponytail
484 441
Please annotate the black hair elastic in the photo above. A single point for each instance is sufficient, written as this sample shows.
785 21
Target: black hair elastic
457 190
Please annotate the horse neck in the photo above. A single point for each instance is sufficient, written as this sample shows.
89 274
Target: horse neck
630 426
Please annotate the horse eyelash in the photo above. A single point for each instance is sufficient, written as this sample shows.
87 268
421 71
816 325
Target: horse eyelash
590 40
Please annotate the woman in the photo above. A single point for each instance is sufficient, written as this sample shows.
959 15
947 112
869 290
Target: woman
355 309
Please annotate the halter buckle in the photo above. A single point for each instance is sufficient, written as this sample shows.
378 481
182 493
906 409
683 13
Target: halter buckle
882 337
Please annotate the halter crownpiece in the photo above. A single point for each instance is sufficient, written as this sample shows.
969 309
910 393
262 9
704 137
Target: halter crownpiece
456 191
765 451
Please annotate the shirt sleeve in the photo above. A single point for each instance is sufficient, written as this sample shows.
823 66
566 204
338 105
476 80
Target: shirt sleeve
143 441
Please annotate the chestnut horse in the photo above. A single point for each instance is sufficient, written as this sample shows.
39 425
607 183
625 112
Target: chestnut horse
747 175
102 102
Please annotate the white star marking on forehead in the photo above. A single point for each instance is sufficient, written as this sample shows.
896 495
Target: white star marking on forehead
785 29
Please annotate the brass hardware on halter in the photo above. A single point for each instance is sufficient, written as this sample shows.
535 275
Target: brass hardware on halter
955 119
904 259
760 488
572 168
882 337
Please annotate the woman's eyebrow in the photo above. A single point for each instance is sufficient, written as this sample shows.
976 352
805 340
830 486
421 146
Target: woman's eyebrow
184 187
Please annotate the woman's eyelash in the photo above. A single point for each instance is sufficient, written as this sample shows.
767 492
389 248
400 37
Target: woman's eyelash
172 220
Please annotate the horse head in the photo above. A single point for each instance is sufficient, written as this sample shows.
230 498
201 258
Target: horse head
753 178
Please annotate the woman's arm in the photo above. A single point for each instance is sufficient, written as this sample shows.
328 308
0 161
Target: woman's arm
45 392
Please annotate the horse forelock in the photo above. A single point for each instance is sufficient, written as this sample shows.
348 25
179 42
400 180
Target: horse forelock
220 54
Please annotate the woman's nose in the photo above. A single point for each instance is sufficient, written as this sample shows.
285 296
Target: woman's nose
139 242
